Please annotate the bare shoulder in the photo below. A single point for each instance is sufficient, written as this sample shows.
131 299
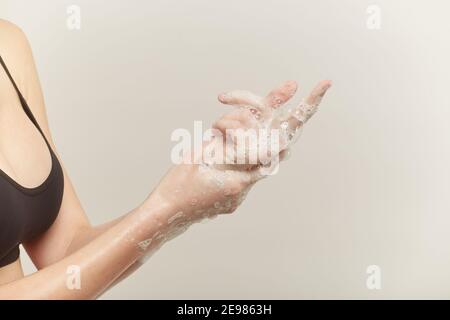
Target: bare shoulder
15 50
10 32
14 44
6 25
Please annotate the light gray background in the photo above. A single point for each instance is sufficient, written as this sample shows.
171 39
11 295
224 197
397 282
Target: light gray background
368 182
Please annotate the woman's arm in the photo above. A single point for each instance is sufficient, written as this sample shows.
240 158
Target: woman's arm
72 229
100 261
72 220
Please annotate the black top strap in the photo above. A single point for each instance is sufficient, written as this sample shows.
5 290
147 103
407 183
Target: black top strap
23 102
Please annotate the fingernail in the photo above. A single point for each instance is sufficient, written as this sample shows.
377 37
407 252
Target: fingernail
223 96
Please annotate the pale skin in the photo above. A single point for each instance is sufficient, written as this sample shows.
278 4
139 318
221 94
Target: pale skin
109 252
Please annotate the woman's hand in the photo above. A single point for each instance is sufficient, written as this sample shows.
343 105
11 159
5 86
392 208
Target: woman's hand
198 191
269 112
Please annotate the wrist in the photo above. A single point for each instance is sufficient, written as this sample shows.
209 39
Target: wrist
160 220
157 207
164 210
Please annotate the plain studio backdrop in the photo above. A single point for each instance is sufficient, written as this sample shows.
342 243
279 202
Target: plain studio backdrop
368 183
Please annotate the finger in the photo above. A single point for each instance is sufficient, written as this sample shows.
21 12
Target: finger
306 109
318 92
281 95
227 124
241 98
247 116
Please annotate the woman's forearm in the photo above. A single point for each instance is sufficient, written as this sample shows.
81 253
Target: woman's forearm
86 235
100 261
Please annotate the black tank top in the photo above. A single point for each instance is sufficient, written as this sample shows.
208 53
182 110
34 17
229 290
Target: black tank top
26 213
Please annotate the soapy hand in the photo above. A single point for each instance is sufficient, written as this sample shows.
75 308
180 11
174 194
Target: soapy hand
268 113
198 191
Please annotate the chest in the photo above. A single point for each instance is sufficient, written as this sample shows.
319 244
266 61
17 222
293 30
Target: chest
26 213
